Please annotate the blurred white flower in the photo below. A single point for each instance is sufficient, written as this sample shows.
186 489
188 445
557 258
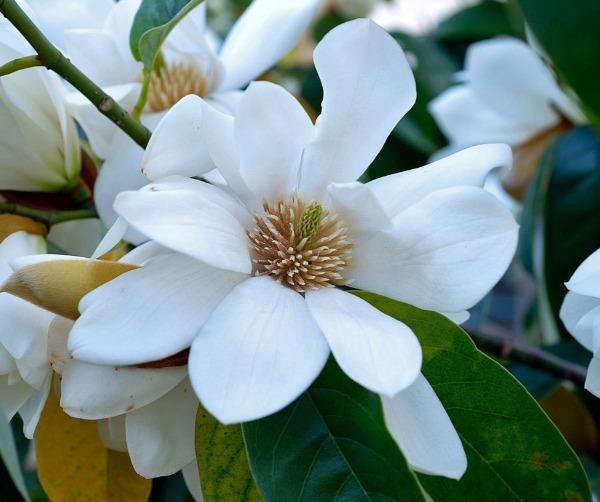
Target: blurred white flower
508 95
580 312
249 279
193 65
39 145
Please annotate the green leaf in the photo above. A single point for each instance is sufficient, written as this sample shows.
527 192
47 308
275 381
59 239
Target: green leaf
569 35
8 454
222 461
561 217
514 452
330 444
152 24
483 20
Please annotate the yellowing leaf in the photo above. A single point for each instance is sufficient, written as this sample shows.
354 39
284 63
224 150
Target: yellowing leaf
59 285
74 465
222 461
11 223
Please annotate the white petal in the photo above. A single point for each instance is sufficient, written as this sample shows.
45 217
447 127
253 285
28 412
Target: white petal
176 146
271 129
592 381
444 254
511 78
466 120
220 141
574 309
112 432
586 279
113 236
266 31
468 167
258 351
58 333
191 476
160 436
93 392
30 412
196 219
24 334
67 14
149 313
13 396
16 245
377 351
99 130
358 207
120 171
368 86
142 254
77 237
420 425
7 362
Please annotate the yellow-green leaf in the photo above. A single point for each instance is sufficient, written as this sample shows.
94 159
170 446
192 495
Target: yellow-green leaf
222 461
74 465
59 285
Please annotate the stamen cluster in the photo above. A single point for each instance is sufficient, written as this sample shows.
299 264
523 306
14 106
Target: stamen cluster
304 247
171 83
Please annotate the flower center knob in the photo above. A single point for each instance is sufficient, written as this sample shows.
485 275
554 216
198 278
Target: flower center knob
304 247
170 83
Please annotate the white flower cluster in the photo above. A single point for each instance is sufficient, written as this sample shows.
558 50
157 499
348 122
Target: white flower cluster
239 290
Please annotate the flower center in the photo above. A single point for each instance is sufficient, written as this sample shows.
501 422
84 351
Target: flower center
172 82
304 247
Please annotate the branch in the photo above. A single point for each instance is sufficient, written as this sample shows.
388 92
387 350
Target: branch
19 64
47 218
50 57
533 357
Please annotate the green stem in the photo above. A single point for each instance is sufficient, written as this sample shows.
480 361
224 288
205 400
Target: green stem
53 59
19 64
141 102
48 218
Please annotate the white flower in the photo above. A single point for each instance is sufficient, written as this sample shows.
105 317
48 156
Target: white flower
194 65
248 279
508 95
25 373
580 312
149 412
39 146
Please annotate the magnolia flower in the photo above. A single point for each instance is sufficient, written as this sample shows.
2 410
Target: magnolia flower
193 65
149 411
580 312
255 272
508 95
39 146
25 373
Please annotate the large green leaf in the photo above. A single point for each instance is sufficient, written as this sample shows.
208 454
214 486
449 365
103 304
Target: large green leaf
9 456
514 452
561 217
153 22
222 461
569 35
330 444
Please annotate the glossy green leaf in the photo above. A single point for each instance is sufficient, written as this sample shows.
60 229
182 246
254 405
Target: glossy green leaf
514 452
486 19
330 444
153 22
222 461
569 35
9 456
561 217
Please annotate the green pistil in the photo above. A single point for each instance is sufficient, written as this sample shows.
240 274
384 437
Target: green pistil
309 222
